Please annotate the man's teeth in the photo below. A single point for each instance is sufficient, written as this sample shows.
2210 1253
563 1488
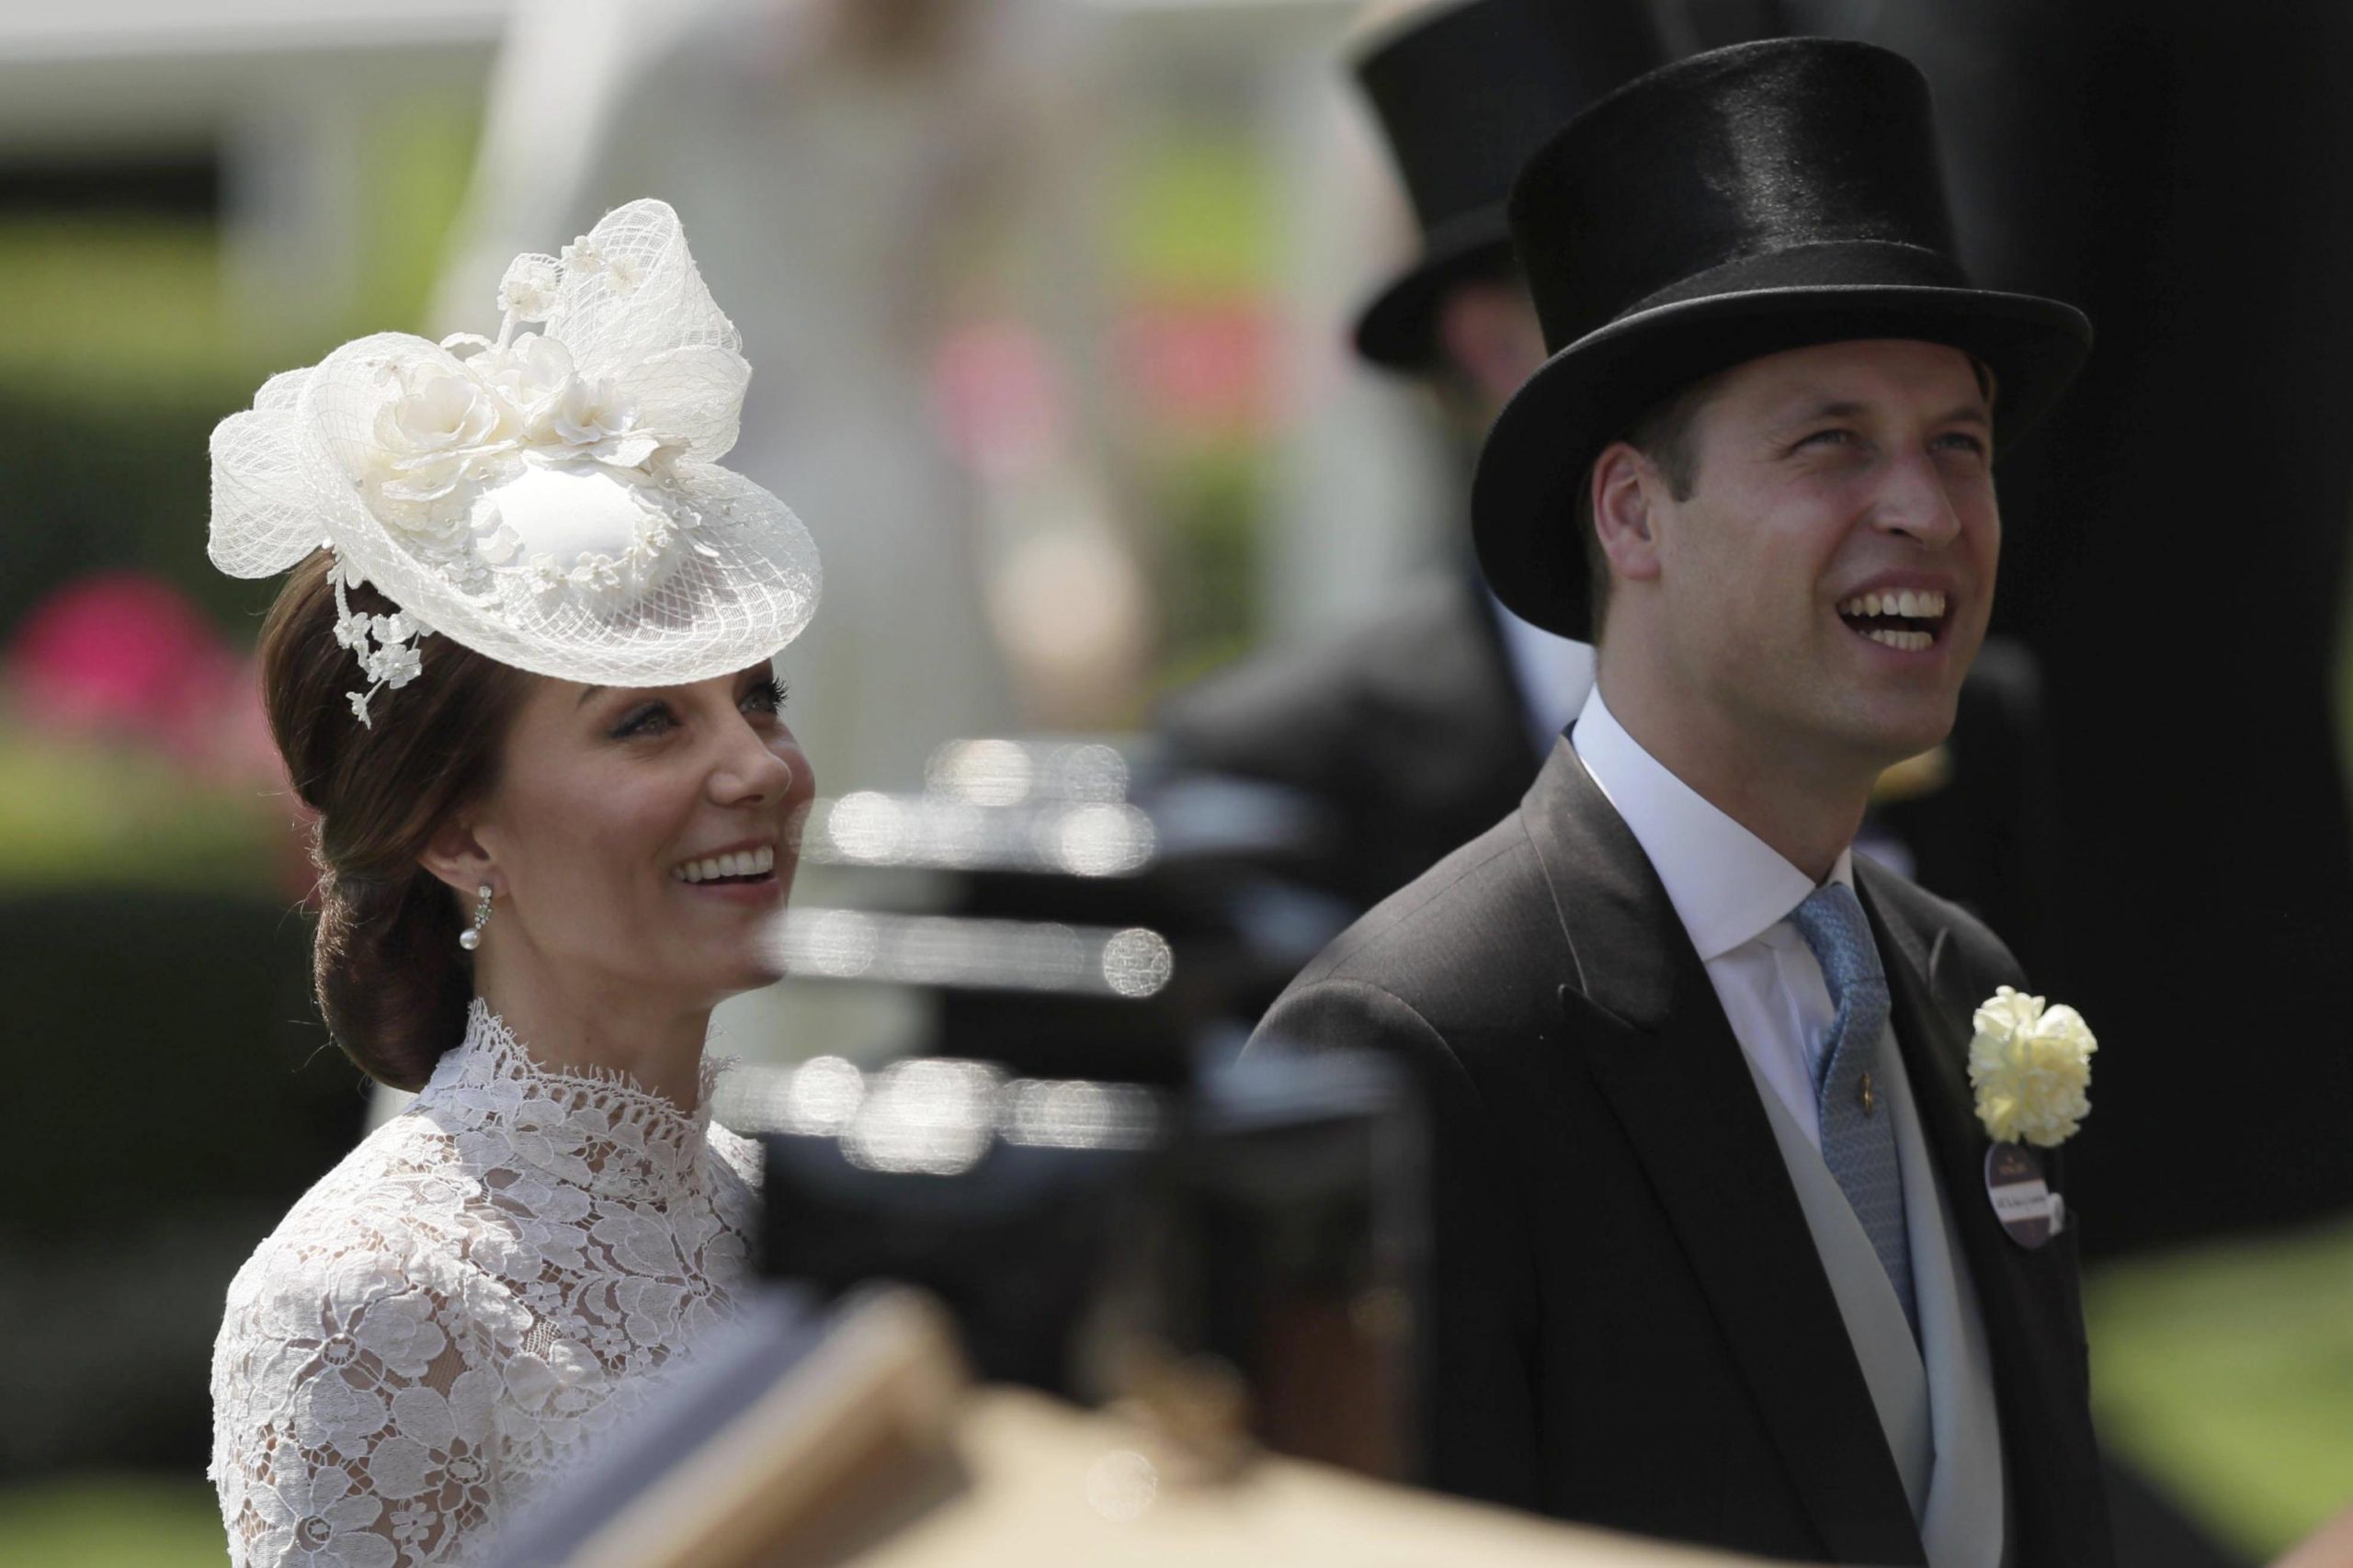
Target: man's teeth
741 863
1928 604
1909 641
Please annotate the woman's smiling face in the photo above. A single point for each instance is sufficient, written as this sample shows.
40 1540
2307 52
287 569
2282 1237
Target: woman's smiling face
645 837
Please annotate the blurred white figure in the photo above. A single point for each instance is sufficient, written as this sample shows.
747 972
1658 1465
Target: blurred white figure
816 147
834 158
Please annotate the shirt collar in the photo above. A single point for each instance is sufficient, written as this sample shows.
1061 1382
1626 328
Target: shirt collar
1727 885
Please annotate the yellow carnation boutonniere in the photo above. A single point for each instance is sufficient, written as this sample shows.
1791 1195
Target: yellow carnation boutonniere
2030 1065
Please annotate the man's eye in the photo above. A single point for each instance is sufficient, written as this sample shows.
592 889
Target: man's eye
1834 437
1963 441
649 719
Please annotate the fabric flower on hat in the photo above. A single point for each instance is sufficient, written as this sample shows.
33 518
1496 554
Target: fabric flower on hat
440 429
599 416
529 373
550 497
528 292
2030 1066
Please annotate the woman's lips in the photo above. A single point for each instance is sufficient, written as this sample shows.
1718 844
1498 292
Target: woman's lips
734 865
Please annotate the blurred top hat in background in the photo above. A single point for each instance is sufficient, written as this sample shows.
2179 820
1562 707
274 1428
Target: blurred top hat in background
1464 90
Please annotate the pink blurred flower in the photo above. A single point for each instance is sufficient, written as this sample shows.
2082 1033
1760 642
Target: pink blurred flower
126 656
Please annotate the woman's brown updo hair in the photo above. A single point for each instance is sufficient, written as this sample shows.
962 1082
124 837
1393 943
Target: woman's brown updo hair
393 983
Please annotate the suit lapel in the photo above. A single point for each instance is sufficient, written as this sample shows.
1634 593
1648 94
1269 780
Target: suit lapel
1666 1059
2033 1322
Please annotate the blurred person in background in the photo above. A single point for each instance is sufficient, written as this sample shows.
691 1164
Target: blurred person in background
1714 1258
867 178
527 687
1417 730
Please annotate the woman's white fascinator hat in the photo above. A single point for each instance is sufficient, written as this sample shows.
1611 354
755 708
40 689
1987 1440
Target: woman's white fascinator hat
550 497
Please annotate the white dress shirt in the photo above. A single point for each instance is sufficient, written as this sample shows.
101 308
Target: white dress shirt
1733 894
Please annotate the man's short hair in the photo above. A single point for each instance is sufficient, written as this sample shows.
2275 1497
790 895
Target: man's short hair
1664 435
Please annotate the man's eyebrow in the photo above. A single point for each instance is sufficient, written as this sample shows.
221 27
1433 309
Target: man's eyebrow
1822 405
1827 406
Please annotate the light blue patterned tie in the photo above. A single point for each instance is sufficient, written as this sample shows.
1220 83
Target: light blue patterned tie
1858 1134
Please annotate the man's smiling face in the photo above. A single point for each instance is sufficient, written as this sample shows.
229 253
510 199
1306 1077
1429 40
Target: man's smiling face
1828 577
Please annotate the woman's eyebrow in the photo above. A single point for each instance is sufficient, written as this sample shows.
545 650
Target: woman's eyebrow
587 692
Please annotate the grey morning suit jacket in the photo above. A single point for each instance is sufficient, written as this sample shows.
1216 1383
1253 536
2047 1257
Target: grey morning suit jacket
1631 1325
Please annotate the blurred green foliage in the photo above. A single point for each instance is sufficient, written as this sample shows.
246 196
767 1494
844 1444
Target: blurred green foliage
189 1095
1196 210
117 306
120 481
1208 579
104 1521
124 348
2225 1374
83 814
1195 235
154 958
420 154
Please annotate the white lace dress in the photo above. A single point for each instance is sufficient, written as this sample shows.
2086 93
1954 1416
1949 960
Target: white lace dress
457 1309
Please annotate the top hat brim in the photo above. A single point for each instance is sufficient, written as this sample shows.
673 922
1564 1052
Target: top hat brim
1397 330
1524 516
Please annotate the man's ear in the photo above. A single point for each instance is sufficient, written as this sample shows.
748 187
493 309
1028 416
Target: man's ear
455 856
1627 486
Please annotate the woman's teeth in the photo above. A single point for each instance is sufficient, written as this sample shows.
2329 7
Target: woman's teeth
712 867
1926 607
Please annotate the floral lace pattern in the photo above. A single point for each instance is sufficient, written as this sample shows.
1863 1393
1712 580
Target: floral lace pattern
454 1312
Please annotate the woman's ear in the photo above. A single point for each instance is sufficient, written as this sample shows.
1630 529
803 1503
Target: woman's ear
1626 487
455 856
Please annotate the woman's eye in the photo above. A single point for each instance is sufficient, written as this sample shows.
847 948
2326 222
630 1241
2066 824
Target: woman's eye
765 696
650 719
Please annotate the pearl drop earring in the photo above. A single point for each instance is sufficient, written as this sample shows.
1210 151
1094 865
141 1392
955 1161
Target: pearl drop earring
471 938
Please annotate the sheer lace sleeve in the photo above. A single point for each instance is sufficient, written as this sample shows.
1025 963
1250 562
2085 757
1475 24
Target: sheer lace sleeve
354 1417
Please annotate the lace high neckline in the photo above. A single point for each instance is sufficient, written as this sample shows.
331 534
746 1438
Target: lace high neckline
592 1127
481 1295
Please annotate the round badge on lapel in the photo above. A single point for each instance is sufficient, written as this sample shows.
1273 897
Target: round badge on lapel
2022 1201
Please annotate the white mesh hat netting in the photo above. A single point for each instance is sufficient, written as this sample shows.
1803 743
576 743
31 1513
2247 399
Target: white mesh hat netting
549 497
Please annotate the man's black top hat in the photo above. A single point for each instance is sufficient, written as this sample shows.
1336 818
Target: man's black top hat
1740 202
1464 91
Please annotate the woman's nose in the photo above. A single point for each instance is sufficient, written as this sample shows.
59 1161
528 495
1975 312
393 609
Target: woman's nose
752 772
